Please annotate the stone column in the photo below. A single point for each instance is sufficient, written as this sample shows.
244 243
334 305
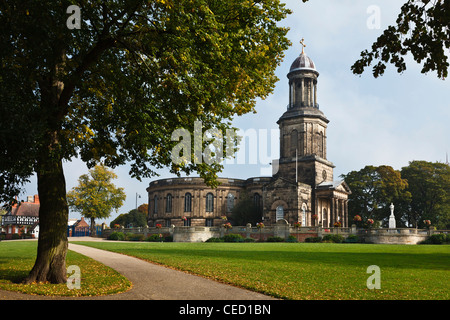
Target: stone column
315 94
336 211
302 91
346 212
332 209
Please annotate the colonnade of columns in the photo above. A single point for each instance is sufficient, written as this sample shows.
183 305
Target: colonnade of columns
304 94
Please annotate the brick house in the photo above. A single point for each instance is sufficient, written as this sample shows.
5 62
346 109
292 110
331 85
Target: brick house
22 219
77 228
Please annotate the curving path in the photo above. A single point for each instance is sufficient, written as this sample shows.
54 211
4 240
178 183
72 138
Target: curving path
151 282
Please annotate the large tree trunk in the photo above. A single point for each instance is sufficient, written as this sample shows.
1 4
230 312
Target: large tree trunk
50 263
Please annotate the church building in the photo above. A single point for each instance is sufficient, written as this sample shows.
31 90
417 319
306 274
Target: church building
301 189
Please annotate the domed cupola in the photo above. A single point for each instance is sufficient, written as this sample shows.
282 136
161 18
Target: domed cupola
302 62
303 82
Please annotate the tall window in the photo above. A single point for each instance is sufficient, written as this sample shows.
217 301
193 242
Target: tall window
257 200
155 204
209 202
169 203
230 202
187 202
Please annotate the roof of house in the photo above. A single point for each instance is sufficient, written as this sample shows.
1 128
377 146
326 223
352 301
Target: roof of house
26 209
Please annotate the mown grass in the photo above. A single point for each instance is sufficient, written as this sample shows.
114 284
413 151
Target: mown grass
307 270
17 259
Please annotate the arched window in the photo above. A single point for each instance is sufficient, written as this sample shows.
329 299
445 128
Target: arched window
155 204
187 202
257 200
209 202
169 203
230 202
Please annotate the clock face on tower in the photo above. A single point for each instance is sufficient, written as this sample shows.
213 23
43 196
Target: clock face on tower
324 175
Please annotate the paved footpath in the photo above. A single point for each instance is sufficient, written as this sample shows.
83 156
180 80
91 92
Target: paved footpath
151 282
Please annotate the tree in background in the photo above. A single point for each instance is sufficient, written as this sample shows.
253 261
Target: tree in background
246 211
373 190
143 208
134 218
96 196
423 30
429 185
115 89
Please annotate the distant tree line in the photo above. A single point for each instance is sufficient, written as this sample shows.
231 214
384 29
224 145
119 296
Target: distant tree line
419 191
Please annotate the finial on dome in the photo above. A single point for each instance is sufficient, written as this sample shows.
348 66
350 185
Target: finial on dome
302 42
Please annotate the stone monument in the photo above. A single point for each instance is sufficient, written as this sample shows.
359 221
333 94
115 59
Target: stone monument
392 224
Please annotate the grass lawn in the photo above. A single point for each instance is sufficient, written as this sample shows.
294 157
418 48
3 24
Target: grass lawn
17 259
307 270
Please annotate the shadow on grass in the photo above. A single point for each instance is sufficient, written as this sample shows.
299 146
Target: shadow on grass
417 260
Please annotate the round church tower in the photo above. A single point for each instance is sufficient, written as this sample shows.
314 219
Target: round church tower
303 188
303 128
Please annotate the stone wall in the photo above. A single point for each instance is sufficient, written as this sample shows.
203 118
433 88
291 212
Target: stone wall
281 229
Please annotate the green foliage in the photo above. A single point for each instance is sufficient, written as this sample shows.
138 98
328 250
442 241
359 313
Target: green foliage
96 196
275 239
429 185
115 89
134 237
291 238
422 30
246 211
214 239
439 238
154 238
313 239
133 218
116 236
352 238
233 237
373 190
335 238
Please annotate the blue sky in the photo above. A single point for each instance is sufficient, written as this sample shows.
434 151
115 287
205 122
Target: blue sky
390 120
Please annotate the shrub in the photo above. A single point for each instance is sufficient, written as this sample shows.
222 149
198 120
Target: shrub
291 239
116 235
214 240
154 238
336 238
249 240
134 237
313 239
275 239
352 238
232 237
438 238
